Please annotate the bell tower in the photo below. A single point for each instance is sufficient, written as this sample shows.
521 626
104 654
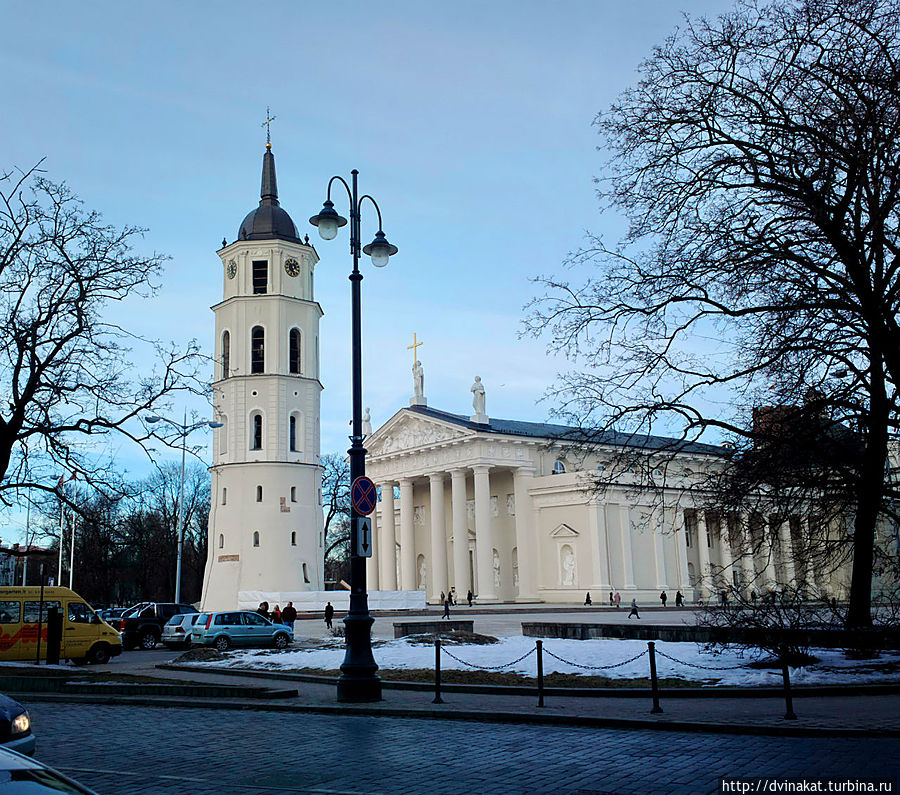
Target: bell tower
265 522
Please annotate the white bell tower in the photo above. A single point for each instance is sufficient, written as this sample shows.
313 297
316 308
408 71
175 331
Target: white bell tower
265 522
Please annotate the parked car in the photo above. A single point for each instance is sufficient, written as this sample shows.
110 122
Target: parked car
15 727
85 637
176 633
23 776
110 613
239 628
142 624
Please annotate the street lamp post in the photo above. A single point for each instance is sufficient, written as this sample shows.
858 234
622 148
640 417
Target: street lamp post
183 431
358 681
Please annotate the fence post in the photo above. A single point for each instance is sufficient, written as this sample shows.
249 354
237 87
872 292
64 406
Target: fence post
786 676
654 682
539 644
437 672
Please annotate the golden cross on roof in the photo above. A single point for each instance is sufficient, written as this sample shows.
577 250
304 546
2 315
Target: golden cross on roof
413 347
269 119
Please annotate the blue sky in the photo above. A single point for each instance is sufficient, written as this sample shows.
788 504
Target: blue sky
470 123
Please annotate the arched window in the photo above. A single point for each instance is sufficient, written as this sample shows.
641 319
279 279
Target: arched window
258 350
256 432
226 354
259 493
305 573
224 496
293 494
256 538
221 541
293 538
292 434
294 355
559 467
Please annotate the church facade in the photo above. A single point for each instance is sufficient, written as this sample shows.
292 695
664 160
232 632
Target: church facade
265 524
510 511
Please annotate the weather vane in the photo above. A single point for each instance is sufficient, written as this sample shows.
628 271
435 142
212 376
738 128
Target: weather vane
267 124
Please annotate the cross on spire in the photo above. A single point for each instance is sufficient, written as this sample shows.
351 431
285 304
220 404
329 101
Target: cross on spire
413 347
267 124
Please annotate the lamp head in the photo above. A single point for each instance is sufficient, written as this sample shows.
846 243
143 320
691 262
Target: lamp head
152 419
328 221
216 424
380 250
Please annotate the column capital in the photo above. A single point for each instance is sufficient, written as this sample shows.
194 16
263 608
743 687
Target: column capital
436 477
525 471
481 468
404 482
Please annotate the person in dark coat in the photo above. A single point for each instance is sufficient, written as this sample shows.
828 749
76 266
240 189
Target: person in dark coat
276 615
634 609
587 598
446 609
663 597
289 615
679 599
469 597
263 609
329 614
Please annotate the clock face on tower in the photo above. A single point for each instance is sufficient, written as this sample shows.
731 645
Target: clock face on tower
231 268
292 267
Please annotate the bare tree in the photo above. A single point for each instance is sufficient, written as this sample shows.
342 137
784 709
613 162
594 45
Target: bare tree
336 505
64 369
758 162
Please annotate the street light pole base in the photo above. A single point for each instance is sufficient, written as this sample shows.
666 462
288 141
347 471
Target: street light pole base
358 690
358 682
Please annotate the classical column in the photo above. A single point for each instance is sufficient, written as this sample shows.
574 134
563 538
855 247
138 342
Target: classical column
725 557
769 531
787 554
460 533
388 557
703 554
659 556
407 537
526 543
438 537
747 567
484 536
373 581
625 537
681 550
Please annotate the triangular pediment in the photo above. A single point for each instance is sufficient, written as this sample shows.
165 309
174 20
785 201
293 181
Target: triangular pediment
407 431
564 531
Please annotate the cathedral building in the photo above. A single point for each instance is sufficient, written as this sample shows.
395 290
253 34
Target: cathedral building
265 524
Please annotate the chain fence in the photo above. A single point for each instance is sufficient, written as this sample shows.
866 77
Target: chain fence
697 665
596 667
487 667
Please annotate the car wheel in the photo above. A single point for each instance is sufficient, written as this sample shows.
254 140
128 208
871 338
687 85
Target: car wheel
222 643
281 641
148 640
99 654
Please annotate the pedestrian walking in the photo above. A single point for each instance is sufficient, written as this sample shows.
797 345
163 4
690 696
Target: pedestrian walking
452 596
753 597
446 609
329 614
663 597
289 615
469 597
617 598
634 609
442 597
612 602
263 609
723 598
276 615
587 598
679 599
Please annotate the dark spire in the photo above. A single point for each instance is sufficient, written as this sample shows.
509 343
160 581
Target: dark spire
268 193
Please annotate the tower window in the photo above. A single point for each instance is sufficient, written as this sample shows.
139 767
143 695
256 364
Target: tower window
256 437
224 496
293 538
292 433
226 354
260 276
259 493
305 573
256 538
221 541
559 467
294 363
258 350
293 494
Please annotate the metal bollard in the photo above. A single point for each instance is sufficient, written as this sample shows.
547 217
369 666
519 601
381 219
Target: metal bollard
437 672
539 644
654 681
788 699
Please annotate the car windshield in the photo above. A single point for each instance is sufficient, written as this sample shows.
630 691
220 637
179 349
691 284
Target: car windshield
200 620
174 620
134 610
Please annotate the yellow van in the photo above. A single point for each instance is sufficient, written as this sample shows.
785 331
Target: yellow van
85 636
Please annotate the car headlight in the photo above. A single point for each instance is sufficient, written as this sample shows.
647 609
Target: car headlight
21 724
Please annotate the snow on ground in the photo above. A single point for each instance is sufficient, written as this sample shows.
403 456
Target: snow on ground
834 668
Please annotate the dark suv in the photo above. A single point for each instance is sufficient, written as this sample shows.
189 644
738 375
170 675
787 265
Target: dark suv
141 625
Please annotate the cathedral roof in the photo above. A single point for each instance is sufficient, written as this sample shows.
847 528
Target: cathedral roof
269 220
543 430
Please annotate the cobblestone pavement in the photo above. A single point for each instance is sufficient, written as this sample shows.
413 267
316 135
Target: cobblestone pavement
125 749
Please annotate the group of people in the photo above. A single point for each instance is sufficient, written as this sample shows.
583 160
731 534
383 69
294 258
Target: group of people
615 599
278 616
449 599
